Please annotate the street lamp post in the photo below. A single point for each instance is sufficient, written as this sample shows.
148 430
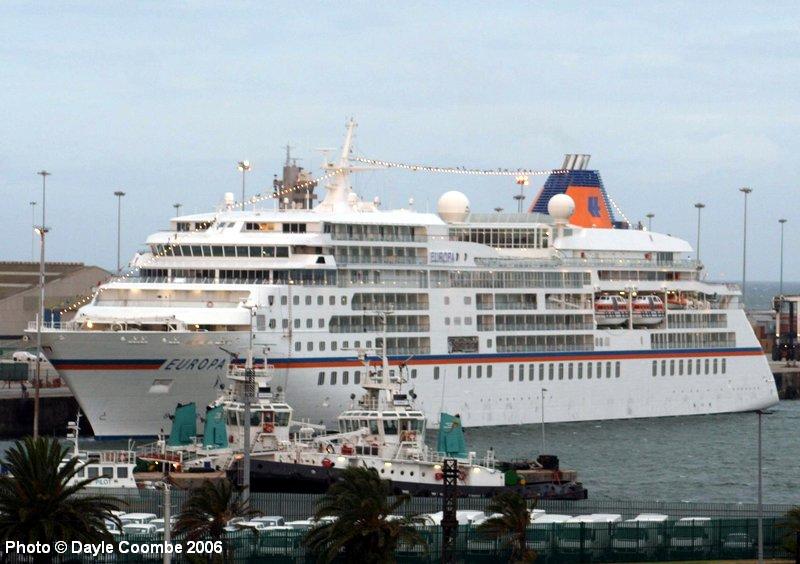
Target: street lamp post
244 167
699 207
40 317
177 207
543 443
119 194
760 500
249 392
33 230
782 222
650 217
744 191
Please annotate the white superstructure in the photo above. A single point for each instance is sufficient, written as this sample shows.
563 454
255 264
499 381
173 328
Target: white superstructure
489 309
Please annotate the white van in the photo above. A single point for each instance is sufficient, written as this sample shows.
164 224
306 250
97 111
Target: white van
541 535
644 534
587 533
692 535
136 518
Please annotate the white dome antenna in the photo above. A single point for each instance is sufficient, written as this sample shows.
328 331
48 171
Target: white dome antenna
561 207
229 200
453 206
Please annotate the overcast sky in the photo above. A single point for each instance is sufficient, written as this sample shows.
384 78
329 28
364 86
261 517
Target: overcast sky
676 102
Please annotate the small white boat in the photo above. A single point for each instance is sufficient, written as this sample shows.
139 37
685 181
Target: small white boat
110 468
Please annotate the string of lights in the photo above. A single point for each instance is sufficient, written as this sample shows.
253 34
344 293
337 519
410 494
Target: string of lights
167 248
455 170
520 175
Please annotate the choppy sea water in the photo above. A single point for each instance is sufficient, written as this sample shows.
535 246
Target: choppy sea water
710 458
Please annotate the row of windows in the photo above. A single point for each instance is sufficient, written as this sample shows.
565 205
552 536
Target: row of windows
405 345
273 227
644 275
570 370
506 301
508 279
390 301
379 254
357 232
693 340
697 320
332 378
301 277
708 366
373 323
534 322
526 343
334 345
227 251
466 371
506 237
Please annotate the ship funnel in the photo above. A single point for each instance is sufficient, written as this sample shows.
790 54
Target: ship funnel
575 162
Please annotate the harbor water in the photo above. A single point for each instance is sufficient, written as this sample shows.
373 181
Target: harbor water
709 458
706 458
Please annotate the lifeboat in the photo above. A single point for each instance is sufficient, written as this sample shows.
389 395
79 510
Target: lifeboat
676 301
647 310
610 311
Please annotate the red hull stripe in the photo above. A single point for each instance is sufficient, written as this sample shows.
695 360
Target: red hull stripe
509 358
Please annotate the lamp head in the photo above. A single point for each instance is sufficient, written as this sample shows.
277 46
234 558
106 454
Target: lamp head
119 193
244 166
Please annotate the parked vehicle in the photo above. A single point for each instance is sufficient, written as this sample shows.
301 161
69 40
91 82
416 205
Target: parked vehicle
541 535
271 520
138 529
738 544
587 533
137 518
692 535
644 534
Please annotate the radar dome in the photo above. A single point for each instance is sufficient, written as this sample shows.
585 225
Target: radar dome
453 206
561 207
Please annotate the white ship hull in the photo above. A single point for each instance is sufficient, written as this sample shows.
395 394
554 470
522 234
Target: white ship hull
127 390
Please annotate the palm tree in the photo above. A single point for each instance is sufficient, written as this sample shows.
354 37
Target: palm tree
209 509
510 524
792 528
41 499
364 529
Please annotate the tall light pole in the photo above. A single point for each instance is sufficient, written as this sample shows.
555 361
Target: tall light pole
521 181
543 444
177 207
33 230
699 207
119 194
650 217
42 231
249 392
760 509
782 222
244 167
744 191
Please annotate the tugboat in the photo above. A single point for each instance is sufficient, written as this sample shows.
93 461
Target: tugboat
223 439
385 431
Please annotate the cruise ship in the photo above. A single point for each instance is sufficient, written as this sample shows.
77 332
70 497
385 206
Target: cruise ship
560 313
